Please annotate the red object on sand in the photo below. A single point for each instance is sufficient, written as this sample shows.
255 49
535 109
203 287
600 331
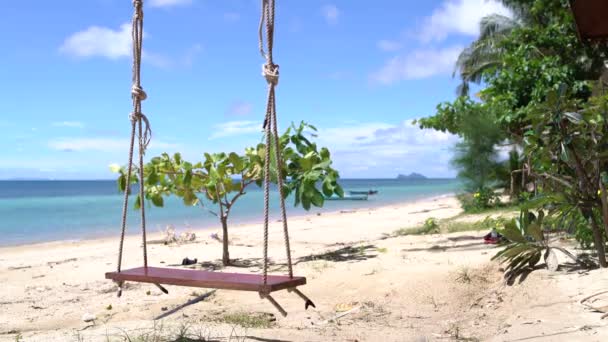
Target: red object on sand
206 279
492 238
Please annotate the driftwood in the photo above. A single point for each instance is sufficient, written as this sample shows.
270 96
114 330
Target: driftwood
340 315
602 309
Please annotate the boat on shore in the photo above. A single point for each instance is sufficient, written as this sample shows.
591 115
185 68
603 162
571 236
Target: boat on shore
365 192
349 197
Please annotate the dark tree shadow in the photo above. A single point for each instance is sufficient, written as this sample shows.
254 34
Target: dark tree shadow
347 253
442 248
255 338
188 339
522 274
186 304
465 238
344 254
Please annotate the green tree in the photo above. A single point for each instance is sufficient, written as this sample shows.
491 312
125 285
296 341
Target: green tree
567 146
476 156
217 182
562 137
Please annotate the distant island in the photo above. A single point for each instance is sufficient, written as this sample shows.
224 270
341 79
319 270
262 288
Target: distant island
411 176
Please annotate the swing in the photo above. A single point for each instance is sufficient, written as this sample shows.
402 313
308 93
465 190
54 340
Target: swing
264 284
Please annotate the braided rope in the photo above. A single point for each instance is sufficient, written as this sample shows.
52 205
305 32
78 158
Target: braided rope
267 132
270 71
125 204
279 161
142 149
140 122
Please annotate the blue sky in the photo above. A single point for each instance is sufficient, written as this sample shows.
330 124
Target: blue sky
358 70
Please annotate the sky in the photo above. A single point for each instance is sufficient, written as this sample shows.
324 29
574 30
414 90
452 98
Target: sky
360 71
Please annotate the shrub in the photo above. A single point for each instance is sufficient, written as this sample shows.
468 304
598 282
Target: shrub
482 199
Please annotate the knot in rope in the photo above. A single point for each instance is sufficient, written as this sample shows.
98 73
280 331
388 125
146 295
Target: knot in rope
270 71
138 93
146 136
139 13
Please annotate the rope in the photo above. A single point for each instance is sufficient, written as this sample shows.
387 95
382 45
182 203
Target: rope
140 122
270 71
267 132
279 161
125 204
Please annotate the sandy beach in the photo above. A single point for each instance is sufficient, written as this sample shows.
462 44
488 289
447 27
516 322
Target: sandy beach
435 287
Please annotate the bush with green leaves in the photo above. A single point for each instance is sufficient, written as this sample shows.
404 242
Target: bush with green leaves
431 225
527 244
220 179
480 200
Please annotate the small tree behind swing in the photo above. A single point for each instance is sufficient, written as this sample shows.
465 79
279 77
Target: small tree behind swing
264 284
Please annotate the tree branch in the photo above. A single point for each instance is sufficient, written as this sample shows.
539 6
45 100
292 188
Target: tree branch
555 178
200 201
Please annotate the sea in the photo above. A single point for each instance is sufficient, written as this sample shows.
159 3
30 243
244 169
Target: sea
45 211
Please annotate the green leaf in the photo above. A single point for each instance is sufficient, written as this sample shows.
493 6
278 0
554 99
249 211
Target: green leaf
152 178
604 176
328 188
158 200
339 191
122 182
324 153
306 202
137 203
187 177
189 198
115 168
573 117
323 165
565 156
317 199
536 232
511 232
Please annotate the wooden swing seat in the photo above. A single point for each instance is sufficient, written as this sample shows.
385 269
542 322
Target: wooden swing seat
206 279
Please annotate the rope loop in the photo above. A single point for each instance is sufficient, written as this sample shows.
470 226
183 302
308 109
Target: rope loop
270 71
138 93
139 13
146 136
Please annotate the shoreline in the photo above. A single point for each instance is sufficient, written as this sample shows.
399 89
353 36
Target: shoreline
135 229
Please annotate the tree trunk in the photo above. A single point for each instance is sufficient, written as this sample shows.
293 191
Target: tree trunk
225 253
598 240
604 200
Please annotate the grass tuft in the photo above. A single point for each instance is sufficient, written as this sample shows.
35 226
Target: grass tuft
453 226
249 320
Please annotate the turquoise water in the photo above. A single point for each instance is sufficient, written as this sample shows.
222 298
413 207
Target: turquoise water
41 211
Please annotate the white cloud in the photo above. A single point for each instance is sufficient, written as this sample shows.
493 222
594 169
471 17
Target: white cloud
232 128
417 64
239 108
377 149
99 41
168 3
330 13
389 45
71 124
100 144
458 17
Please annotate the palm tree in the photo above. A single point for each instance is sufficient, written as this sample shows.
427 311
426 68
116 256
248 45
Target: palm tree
484 53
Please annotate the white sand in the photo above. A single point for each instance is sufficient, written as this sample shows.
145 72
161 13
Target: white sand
411 288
